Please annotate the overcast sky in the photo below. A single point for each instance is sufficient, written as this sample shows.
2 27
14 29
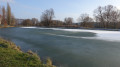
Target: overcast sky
62 8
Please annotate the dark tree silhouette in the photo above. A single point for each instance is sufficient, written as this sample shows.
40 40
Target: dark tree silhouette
47 17
107 16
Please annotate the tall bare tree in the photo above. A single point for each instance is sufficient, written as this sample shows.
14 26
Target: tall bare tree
3 15
8 14
47 17
107 16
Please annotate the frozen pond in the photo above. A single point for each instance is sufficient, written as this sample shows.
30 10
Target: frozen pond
69 47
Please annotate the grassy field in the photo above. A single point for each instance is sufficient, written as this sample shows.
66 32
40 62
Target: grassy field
12 56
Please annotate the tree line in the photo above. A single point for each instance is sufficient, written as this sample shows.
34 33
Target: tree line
7 18
104 17
107 17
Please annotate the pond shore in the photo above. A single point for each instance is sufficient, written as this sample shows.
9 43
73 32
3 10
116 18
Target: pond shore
12 56
6 26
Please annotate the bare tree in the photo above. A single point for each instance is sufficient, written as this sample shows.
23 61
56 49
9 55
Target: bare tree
85 20
107 16
98 13
47 17
68 21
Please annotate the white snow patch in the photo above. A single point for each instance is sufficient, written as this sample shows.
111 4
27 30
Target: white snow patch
100 34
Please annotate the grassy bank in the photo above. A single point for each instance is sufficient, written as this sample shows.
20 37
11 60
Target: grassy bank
6 26
12 56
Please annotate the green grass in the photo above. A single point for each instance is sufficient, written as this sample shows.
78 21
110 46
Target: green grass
12 56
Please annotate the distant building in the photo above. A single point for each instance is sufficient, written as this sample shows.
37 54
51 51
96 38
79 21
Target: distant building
0 19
